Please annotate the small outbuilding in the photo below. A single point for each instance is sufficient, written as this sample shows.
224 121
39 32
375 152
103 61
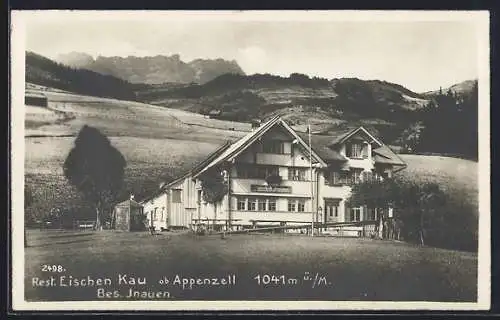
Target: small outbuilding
128 216
35 99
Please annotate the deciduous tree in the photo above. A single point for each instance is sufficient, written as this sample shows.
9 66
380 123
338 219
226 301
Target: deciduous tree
95 168
214 186
418 204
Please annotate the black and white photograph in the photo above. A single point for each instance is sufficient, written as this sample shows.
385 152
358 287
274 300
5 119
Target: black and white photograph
250 160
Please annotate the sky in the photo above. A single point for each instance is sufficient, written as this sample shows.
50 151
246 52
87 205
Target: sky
420 55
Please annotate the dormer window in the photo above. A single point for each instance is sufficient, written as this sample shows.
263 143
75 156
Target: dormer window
353 150
357 150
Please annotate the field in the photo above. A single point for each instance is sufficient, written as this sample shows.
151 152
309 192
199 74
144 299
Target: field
353 269
127 118
458 177
160 143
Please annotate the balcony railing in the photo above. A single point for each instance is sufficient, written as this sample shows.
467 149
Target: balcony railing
270 189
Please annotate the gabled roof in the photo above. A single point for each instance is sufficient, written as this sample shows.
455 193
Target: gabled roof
346 136
324 150
239 146
190 172
129 203
325 146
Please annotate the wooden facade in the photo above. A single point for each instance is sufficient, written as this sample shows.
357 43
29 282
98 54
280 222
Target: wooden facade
128 216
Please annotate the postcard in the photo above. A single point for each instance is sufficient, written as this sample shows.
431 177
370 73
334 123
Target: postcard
250 160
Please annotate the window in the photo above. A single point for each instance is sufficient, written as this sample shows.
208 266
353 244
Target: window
368 176
242 203
256 204
355 214
176 195
331 208
266 171
298 174
256 171
162 213
296 205
334 178
371 214
271 204
301 205
356 175
262 204
273 146
354 150
154 214
252 204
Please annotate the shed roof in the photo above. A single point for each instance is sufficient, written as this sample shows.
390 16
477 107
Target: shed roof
129 203
32 94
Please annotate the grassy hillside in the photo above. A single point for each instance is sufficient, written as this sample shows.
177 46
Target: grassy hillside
158 143
326 104
127 118
388 109
462 88
458 177
298 89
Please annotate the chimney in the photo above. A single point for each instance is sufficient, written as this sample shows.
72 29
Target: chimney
131 197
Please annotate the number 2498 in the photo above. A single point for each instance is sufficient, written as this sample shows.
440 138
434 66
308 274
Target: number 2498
53 268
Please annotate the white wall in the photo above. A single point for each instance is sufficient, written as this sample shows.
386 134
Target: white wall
160 203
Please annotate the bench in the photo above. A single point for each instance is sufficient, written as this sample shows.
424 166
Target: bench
85 224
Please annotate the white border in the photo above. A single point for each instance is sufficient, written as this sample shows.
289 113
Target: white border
18 23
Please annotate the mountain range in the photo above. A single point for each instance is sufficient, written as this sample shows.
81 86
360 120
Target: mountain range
157 69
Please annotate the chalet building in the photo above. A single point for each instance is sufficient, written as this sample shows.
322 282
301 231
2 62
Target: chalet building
310 185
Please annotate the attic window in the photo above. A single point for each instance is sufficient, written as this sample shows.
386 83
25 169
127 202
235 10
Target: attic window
357 150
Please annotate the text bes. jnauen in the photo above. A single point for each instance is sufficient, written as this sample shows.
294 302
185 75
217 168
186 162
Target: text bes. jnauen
88 281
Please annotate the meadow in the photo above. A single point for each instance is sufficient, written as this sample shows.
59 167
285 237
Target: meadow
161 143
458 177
354 269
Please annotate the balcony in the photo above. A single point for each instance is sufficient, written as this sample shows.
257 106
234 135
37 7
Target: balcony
270 189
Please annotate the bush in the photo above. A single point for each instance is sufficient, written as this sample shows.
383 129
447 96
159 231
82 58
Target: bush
429 214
